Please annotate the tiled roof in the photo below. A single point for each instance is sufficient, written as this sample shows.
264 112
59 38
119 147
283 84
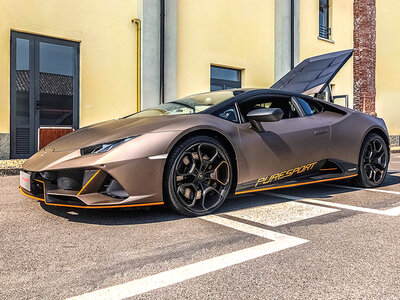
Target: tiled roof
51 84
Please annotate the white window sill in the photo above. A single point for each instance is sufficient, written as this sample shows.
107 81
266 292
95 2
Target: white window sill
326 40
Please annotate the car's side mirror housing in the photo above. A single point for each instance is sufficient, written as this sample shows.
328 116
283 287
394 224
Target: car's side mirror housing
264 115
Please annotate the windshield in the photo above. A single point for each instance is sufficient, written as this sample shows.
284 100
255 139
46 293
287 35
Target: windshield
189 105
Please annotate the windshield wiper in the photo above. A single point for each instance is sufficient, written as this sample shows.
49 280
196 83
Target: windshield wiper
163 110
183 104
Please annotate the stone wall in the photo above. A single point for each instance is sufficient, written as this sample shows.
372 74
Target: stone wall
4 145
395 141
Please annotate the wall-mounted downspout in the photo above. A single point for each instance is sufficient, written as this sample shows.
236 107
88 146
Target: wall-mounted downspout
138 62
162 49
291 34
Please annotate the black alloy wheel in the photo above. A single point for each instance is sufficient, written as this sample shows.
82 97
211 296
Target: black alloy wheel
374 160
199 176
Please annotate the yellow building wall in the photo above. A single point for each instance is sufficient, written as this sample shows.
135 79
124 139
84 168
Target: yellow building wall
231 33
388 64
107 50
341 16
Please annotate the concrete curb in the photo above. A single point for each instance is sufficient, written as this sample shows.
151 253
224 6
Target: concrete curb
9 172
10 167
395 150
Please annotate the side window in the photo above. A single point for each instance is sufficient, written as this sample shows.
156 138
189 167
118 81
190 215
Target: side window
284 103
310 107
229 114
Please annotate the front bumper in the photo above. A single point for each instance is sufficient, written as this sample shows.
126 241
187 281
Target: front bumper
81 188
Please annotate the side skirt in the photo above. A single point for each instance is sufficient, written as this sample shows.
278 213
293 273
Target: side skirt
300 182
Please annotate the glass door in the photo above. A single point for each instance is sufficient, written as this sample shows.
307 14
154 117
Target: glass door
57 79
44 91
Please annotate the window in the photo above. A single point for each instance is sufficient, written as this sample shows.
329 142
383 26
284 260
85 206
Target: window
225 78
310 107
342 100
230 114
324 29
284 103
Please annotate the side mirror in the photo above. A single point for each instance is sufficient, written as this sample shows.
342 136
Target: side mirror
264 115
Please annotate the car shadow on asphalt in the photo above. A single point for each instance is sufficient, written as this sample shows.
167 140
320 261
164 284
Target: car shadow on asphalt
132 216
115 216
320 191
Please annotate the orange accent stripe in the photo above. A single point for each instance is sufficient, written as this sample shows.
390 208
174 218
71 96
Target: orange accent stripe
294 184
95 174
30 196
83 206
330 169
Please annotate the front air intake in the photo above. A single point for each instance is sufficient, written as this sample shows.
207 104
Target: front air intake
113 189
70 179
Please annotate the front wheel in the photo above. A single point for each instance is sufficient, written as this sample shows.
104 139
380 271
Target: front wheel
198 176
373 161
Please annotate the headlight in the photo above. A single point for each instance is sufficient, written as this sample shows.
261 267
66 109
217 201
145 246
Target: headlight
105 147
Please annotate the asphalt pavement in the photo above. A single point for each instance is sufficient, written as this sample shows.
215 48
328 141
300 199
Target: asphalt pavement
322 241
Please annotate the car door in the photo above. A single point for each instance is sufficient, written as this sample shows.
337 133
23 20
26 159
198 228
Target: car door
295 141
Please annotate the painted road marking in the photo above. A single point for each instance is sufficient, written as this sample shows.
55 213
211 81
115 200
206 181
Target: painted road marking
281 213
149 283
393 212
363 189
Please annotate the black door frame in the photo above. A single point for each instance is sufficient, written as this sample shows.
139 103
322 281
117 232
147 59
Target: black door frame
34 87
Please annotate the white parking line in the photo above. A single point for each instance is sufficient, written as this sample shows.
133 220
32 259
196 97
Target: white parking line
363 189
282 213
393 212
146 284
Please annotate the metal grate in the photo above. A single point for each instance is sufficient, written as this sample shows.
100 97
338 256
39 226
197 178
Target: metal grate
324 32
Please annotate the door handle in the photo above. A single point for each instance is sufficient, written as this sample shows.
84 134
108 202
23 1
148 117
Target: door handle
321 131
37 104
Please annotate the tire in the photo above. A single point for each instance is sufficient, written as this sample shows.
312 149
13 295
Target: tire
197 176
373 161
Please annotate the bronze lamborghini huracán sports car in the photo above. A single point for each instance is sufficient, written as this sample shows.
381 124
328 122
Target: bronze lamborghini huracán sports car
193 152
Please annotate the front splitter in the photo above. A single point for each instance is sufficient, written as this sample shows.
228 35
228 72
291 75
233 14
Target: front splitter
25 193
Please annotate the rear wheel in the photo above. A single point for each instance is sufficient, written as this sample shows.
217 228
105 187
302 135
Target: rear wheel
198 176
373 161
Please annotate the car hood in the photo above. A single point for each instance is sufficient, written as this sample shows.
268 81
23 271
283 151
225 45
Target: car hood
113 130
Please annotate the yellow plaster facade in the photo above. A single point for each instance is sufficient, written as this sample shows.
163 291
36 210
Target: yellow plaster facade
387 64
232 33
107 50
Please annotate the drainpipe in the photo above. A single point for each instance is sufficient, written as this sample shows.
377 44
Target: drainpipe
138 62
291 34
162 49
